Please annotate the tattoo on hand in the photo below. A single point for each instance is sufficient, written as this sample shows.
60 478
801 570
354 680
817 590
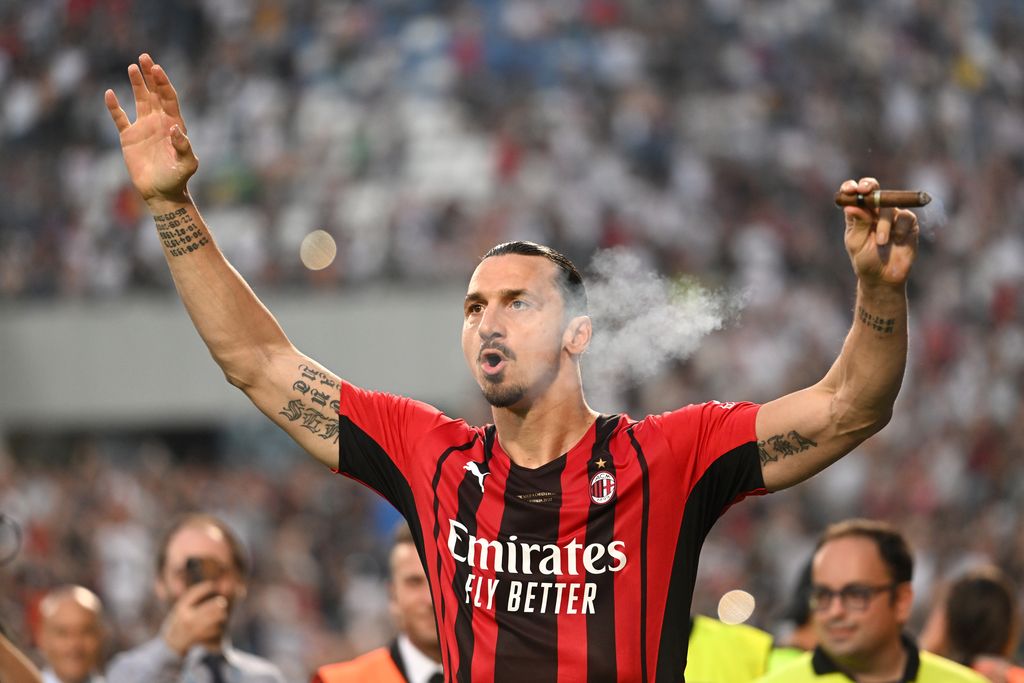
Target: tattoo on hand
179 234
875 322
783 445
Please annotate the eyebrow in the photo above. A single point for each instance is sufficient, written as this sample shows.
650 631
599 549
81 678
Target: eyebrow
475 297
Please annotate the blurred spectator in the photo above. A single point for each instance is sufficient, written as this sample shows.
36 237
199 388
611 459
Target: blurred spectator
705 136
798 634
860 599
726 653
976 623
414 656
71 635
201 570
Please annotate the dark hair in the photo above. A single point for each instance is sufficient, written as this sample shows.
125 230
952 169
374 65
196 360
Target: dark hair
569 280
980 615
200 520
892 546
798 610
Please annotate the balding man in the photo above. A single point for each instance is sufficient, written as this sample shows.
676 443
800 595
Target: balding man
201 572
71 635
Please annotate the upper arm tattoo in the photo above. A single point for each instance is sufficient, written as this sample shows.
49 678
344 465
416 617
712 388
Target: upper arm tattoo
322 392
783 445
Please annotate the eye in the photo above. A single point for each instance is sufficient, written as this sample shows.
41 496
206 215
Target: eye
518 304
473 309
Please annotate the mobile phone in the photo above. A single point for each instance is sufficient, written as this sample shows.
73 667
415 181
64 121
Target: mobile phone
195 571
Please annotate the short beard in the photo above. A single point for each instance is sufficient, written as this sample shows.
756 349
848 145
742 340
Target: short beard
501 396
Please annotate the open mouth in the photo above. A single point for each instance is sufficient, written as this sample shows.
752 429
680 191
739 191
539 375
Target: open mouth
492 362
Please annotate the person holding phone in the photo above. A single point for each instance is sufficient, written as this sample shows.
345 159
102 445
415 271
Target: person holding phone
200 575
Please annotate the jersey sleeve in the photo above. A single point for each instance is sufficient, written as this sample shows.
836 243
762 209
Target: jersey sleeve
377 438
716 446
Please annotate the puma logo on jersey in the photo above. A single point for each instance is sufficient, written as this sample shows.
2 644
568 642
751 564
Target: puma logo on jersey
474 469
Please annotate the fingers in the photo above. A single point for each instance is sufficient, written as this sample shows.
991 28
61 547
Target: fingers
864 186
116 112
905 229
168 96
139 89
180 141
884 226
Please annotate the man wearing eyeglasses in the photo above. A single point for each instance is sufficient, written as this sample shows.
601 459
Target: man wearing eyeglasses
860 601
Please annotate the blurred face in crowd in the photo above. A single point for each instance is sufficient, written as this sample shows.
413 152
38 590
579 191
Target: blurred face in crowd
411 606
857 611
71 634
208 543
514 328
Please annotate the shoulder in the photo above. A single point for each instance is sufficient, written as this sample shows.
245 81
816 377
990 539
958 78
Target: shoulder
936 669
749 636
796 670
358 668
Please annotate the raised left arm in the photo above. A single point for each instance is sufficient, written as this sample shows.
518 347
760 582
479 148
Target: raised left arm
804 432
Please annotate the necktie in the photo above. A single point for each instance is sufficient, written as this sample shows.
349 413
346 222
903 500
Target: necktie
438 677
215 663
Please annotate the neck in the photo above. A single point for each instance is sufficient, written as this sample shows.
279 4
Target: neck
882 666
549 427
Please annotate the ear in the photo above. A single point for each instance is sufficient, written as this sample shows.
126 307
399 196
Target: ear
904 602
577 335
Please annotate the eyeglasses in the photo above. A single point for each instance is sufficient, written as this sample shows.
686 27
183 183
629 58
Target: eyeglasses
854 597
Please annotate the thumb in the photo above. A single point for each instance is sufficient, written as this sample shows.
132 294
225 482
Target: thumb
180 141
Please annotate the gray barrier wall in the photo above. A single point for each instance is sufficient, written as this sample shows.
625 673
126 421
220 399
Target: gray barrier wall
138 361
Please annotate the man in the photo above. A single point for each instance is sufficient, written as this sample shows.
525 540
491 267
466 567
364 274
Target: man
415 655
976 624
860 602
71 635
556 540
799 637
193 644
726 653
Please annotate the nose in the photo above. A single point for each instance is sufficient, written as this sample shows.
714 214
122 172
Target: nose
491 324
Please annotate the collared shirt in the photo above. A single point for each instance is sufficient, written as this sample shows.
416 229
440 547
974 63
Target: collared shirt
50 677
418 666
156 662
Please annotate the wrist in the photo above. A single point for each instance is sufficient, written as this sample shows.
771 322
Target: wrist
882 291
165 204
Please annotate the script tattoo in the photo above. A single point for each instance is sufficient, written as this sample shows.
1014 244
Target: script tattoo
179 233
326 426
876 322
783 446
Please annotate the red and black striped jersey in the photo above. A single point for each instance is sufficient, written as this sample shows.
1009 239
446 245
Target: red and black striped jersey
580 570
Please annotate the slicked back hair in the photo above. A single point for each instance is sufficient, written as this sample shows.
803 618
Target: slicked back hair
568 279
892 546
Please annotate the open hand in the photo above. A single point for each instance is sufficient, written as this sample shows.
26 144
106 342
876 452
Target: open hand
156 149
882 243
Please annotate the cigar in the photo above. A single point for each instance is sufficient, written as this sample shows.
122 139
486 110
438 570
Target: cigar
880 198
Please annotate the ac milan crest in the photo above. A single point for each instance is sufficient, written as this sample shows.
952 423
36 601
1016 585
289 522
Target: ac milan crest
602 487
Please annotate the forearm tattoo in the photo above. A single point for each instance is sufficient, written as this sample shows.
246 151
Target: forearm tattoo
322 392
876 322
783 445
179 233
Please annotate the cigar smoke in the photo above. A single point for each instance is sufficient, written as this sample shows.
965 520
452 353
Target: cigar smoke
644 321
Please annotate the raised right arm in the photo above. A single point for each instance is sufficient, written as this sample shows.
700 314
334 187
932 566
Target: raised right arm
243 337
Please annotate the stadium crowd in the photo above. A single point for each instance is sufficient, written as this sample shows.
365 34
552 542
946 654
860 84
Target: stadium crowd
705 136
